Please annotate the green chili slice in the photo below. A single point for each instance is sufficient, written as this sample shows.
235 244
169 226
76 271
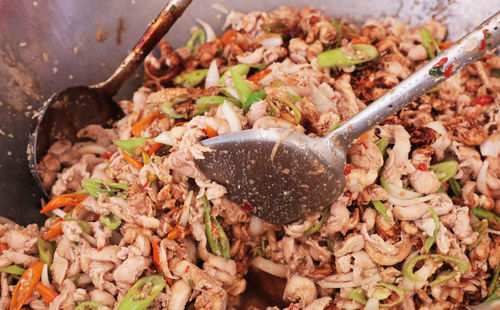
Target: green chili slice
225 248
493 284
130 145
191 79
430 241
84 226
318 225
427 40
461 265
358 295
336 23
395 289
198 35
206 103
455 187
445 170
142 293
481 228
45 250
241 69
93 305
337 59
382 209
13 269
241 86
482 213
95 187
382 145
168 107
212 242
296 111
254 97
110 220
384 184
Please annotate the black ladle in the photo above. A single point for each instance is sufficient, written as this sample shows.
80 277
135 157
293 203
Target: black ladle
70 110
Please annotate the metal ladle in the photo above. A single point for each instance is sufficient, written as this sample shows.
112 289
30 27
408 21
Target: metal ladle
66 112
306 173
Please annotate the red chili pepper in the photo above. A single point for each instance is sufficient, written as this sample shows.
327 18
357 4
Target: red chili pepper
333 98
422 167
155 147
348 169
364 145
246 207
483 44
442 62
447 72
483 100
485 31
107 155
187 268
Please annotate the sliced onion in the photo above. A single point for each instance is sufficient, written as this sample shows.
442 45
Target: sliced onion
283 136
270 39
165 138
266 265
231 116
251 58
183 220
45 276
401 193
92 149
406 203
492 231
482 179
213 75
209 32
491 146
256 226
59 213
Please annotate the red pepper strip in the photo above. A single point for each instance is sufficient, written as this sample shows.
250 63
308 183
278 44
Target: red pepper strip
348 169
259 75
442 62
444 45
143 123
25 286
54 230
358 41
483 100
107 155
174 233
131 160
422 167
156 255
227 37
483 44
155 147
211 132
64 200
47 293
447 72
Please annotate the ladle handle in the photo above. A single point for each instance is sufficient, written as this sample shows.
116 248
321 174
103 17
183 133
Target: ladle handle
467 50
156 30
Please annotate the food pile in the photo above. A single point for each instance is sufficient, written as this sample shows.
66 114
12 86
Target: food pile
134 224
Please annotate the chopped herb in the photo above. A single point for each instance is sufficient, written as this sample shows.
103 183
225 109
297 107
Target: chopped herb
191 79
130 145
382 209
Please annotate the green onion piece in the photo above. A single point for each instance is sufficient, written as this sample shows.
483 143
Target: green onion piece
110 220
84 226
382 145
168 107
191 79
336 23
334 126
95 187
493 284
384 184
92 305
275 111
208 102
212 242
358 295
380 293
443 278
143 293
481 228
198 35
130 145
294 98
481 213
455 187
395 289
430 241
45 250
241 86
223 239
445 170
254 97
318 225
495 73
461 265
13 269
337 59
296 111
427 39
495 296
381 208
241 69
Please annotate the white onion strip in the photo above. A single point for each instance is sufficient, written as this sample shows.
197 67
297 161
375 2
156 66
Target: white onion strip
406 203
59 213
45 276
209 32
482 179
231 116
213 75
401 193
269 266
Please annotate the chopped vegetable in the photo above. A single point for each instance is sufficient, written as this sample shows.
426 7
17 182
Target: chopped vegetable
218 241
481 228
13 269
395 289
494 280
429 242
382 145
241 69
259 75
46 250
296 112
254 97
210 131
462 266
143 123
455 187
95 187
227 37
382 209
436 71
318 225
26 285
206 103
384 184
154 148
54 230
196 39
483 100
358 295
427 40
93 305
132 161
156 255
277 27
64 200
130 145
168 107
84 226
241 86
337 59
47 293
336 23
191 79
110 220
143 293
492 218
445 170
334 126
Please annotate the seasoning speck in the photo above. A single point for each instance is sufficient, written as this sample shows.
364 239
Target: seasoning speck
23 44
45 57
54 70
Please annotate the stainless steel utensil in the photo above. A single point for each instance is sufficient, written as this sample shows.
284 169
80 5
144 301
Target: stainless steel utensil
66 112
307 174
